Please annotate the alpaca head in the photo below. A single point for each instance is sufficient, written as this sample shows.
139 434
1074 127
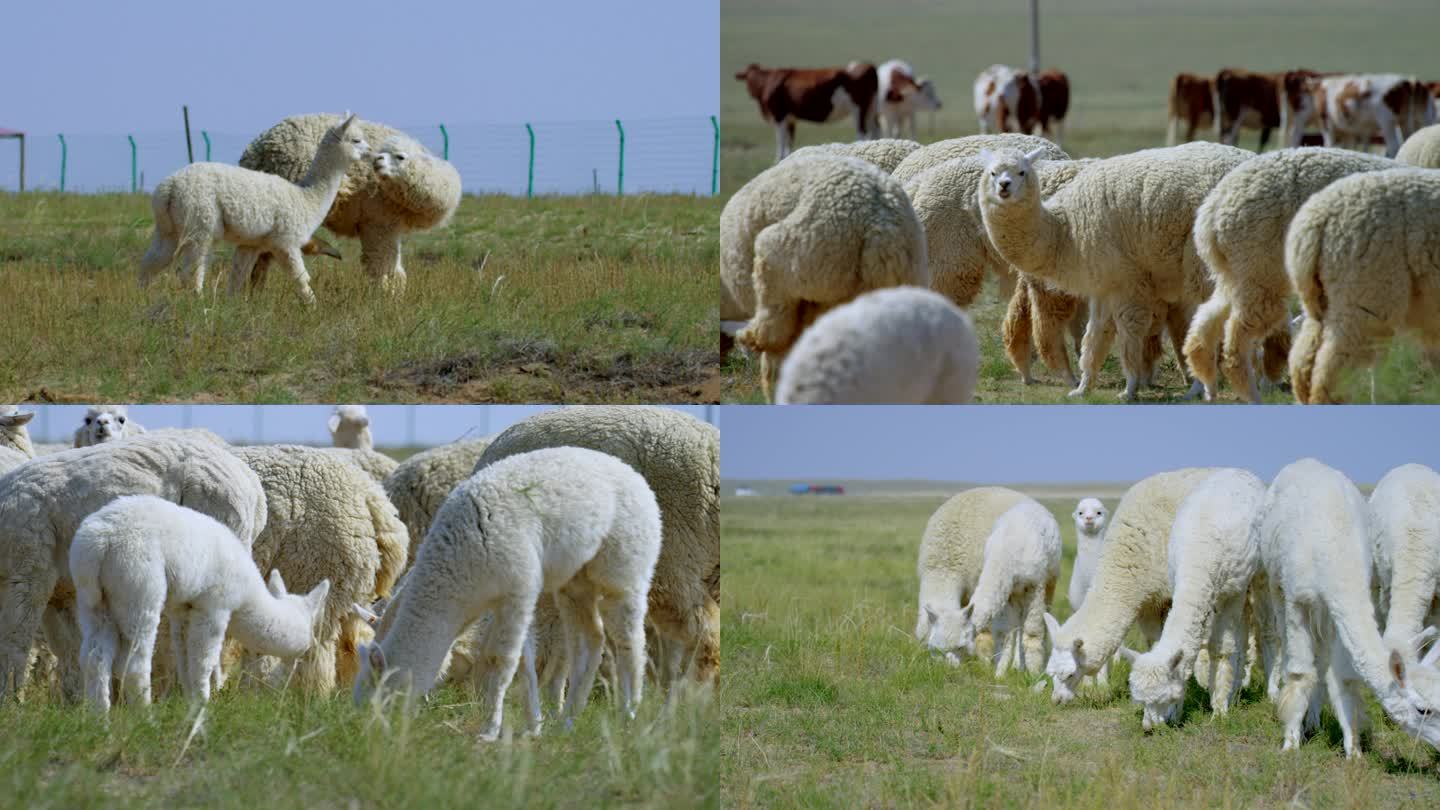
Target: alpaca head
103 423
348 137
1009 175
394 157
350 427
1066 665
951 632
293 637
1157 683
1089 517
1414 702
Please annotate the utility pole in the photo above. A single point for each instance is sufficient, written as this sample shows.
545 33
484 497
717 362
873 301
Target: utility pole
1034 37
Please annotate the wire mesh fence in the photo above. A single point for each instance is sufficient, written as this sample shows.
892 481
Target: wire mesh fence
654 155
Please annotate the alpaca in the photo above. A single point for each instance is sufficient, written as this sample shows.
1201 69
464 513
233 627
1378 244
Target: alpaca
140 557
258 212
350 427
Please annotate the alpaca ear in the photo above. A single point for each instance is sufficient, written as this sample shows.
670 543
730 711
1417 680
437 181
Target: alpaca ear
1051 626
1431 658
1078 645
315 600
16 419
371 617
276 583
1128 654
1032 156
334 422
1397 667
376 657
931 616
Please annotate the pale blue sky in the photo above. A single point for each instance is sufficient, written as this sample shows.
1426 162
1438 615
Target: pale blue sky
391 425
1038 444
96 66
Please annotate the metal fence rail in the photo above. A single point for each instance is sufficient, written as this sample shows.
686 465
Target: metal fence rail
658 155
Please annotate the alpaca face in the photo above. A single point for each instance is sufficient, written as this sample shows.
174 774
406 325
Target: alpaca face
106 423
391 164
1420 688
951 633
1089 517
1066 663
1157 684
1008 174
351 139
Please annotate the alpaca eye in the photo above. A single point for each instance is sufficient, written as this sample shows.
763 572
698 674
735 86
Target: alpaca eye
1022 174
120 419
87 420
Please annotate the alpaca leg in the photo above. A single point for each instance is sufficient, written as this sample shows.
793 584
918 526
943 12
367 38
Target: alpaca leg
1099 334
205 635
1034 629
1226 646
776 322
62 633
1177 321
1203 342
380 258
1054 312
241 267
194 256
294 263
97 656
1016 330
504 642
577 603
1132 326
1102 677
1342 684
1299 673
1342 347
260 272
625 627
137 650
532 683
22 603
1302 357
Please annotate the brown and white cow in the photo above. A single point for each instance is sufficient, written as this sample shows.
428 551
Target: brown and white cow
1297 105
1032 101
1191 102
787 95
1352 109
902 94
1245 99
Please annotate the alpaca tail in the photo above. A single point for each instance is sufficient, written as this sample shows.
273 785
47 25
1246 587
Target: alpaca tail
391 537
101 636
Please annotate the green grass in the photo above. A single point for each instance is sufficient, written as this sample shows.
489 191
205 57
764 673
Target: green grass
1120 60
259 748
831 702
602 300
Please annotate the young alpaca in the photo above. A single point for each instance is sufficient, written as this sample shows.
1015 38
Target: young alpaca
350 427
105 423
573 522
1118 234
1314 536
1017 582
1089 516
1212 558
258 212
140 557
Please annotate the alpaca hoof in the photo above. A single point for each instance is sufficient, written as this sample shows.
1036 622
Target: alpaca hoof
489 735
535 729
1078 391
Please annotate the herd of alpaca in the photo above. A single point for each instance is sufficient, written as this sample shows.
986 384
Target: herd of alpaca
355 177
1336 595
138 562
1209 245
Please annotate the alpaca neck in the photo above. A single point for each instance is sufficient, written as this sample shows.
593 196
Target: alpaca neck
1027 235
271 626
992 593
327 170
1354 618
1186 627
17 440
1101 622
415 645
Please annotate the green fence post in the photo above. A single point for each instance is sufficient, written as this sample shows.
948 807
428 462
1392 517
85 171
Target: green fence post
620 183
134 165
445 150
206 136
64 153
530 178
715 161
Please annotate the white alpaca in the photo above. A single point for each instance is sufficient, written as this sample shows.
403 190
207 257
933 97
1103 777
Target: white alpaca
15 446
140 557
1017 582
1089 516
258 212
105 423
1315 544
1212 558
350 427
1406 509
575 523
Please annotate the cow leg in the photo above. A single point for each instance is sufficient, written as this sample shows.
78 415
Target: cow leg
1264 138
779 141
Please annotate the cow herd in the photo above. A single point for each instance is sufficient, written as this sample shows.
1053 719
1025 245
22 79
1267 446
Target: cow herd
1307 106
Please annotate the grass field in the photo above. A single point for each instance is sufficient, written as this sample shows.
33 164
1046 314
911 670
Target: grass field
831 702
560 299
260 749
1120 60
